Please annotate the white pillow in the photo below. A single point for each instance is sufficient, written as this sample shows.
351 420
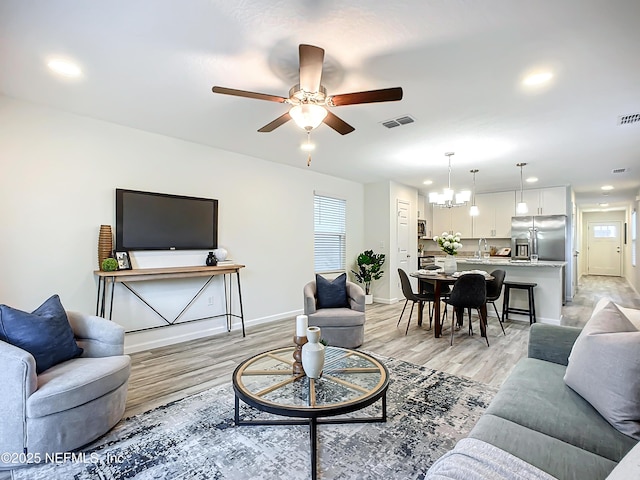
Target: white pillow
629 466
604 368
632 314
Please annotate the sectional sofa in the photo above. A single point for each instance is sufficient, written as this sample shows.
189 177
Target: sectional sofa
570 411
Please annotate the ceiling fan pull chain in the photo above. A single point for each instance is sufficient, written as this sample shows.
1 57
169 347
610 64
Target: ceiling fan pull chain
309 145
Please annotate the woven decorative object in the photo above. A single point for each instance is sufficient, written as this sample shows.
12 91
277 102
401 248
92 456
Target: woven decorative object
105 244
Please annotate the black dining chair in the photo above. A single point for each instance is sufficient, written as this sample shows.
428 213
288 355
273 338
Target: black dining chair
494 290
469 291
421 298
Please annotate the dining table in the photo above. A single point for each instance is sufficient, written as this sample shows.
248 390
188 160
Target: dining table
440 281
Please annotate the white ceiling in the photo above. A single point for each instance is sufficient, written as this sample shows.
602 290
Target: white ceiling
150 64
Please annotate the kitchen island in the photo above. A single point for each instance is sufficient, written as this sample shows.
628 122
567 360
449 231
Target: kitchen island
549 293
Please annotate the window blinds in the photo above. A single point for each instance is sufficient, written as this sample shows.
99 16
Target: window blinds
330 218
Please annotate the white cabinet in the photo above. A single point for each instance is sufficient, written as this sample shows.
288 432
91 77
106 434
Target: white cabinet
545 201
452 220
421 210
494 219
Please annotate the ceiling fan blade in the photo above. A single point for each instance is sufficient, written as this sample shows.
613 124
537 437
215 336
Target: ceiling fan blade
311 59
244 93
338 124
370 96
281 120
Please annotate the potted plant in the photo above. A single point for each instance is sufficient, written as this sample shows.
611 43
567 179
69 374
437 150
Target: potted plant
369 269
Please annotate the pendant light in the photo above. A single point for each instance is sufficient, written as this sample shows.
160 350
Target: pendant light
521 207
447 199
474 211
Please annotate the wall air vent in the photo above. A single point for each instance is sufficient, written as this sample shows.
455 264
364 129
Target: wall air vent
620 170
396 122
627 119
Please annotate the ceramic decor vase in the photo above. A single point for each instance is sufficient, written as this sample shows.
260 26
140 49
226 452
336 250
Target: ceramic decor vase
450 264
105 244
313 354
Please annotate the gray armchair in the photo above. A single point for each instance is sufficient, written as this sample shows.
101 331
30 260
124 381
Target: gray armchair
69 404
341 327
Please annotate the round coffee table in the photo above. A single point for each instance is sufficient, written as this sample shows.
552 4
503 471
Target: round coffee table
350 381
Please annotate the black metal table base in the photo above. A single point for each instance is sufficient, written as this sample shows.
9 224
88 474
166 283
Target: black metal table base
101 309
313 423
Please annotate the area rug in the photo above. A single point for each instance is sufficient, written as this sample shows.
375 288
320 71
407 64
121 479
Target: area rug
195 438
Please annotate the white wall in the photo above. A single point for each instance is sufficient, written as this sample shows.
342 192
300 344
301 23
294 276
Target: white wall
381 229
635 271
60 172
376 233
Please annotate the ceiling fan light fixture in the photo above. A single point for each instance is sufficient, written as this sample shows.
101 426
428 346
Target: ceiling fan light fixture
308 115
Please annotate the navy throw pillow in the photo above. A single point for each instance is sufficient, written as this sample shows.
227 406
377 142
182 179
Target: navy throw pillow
332 293
45 333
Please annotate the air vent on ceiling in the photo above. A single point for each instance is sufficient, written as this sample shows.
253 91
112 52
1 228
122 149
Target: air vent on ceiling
620 170
396 122
627 119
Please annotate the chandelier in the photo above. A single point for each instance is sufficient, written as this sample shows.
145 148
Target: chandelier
449 199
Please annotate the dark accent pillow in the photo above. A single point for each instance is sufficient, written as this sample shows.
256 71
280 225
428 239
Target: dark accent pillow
332 293
46 333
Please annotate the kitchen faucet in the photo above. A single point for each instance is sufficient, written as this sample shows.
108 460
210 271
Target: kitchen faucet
485 246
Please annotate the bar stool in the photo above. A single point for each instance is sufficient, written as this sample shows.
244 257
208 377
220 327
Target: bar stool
506 309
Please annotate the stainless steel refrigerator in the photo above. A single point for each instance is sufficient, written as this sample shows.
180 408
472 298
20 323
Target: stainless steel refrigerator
546 236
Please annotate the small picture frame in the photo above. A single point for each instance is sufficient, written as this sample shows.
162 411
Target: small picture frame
124 263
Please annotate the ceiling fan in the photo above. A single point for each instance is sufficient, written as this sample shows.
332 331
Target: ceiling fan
309 99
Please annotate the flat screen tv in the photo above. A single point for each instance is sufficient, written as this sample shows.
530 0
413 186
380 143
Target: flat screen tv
159 221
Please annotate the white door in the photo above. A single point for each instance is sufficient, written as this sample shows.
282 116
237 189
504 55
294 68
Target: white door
402 230
604 248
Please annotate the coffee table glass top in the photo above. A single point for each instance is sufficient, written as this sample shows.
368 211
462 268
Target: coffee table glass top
348 377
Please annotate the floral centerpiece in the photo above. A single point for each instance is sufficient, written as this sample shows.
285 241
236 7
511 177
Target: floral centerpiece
449 244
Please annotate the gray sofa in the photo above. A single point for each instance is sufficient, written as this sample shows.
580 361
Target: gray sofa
341 327
538 419
69 404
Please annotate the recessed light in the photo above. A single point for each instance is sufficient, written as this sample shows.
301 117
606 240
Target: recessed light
603 204
606 187
63 67
531 180
428 182
536 79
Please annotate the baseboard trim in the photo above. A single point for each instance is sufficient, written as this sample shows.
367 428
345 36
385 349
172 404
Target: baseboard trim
141 341
386 301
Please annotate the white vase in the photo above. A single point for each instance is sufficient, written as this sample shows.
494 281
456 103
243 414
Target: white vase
313 354
368 299
220 253
450 264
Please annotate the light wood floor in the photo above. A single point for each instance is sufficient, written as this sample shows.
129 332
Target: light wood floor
170 373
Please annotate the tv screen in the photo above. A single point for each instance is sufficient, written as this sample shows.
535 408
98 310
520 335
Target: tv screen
158 221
